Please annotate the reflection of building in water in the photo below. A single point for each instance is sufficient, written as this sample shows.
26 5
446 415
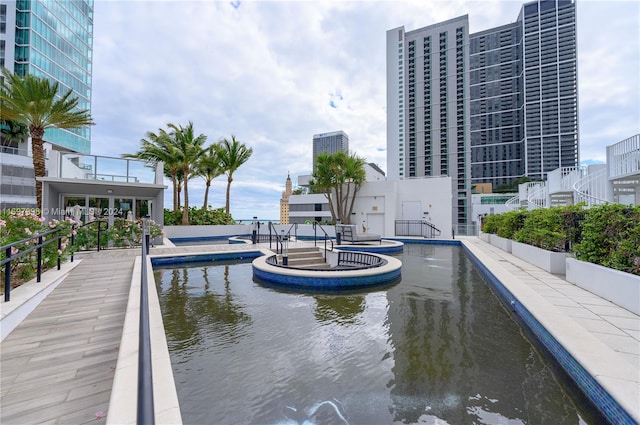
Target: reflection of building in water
343 309
457 354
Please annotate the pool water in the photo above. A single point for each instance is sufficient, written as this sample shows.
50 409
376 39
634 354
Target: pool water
437 348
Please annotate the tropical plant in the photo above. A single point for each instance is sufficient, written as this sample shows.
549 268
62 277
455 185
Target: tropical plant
36 103
208 167
189 148
13 133
161 147
232 155
339 177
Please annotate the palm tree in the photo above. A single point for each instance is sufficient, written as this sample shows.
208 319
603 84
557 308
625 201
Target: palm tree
232 155
338 176
13 133
36 103
160 147
209 168
189 150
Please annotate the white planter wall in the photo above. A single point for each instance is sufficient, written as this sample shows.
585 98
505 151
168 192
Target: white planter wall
552 262
500 242
620 288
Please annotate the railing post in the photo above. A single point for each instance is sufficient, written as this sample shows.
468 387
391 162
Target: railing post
39 266
73 240
145 231
7 276
99 230
59 251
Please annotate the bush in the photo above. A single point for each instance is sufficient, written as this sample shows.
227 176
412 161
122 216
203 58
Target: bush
198 216
543 228
18 225
611 237
504 225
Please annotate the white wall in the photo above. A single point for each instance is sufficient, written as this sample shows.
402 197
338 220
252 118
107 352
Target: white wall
385 199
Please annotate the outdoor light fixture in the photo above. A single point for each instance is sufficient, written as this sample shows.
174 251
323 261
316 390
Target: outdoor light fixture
109 191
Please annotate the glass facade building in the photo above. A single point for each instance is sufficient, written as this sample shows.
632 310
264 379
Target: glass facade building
52 39
329 143
488 107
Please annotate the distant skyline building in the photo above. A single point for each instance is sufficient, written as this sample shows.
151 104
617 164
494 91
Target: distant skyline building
284 201
54 40
332 142
489 107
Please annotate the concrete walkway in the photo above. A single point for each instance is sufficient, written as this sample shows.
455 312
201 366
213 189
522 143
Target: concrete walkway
57 366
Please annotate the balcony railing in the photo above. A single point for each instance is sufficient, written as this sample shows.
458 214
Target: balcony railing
623 158
102 168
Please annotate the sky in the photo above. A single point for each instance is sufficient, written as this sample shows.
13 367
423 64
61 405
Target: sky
274 73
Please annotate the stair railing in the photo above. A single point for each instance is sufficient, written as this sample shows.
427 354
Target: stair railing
317 225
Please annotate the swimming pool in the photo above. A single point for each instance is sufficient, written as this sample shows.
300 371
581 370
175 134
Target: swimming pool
436 348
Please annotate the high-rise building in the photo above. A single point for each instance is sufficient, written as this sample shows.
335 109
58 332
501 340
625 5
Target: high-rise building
428 107
54 40
329 143
524 95
488 107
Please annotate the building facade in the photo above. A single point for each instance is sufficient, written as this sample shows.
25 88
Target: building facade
54 40
524 95
488 107
284 201
332 142
428 107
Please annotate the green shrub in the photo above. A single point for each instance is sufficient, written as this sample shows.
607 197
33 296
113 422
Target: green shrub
611 237
511 222
20 224
198 216
554 229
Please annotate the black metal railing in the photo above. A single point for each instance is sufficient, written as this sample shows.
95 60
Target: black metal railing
359 260
317 225
145 411
416 228
43 239
347 260
100 229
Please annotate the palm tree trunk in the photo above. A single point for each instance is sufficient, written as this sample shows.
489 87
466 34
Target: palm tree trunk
185 211
206 195
174 181
229 180
39 167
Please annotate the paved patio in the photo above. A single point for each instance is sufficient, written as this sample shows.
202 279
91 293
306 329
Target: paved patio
57 366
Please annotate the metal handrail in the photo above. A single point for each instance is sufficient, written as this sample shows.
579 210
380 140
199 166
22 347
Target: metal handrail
88 223
347 260
10 257
277 237
589 187
405 227
146 411
326 237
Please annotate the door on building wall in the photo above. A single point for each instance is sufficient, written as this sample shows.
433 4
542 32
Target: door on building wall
375 224
412 210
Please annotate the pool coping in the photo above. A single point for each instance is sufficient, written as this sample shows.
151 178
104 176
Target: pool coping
596 369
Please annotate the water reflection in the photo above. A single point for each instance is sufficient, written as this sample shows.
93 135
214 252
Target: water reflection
193 307
339 309
437 348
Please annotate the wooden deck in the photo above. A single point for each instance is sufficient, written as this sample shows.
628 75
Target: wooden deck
58 365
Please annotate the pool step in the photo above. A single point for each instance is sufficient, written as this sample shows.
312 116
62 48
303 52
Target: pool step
307 258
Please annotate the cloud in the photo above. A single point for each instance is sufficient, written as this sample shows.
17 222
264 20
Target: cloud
275 73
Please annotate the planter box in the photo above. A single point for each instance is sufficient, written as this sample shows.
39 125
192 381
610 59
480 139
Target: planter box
620 288
552 262
502 243
485 237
